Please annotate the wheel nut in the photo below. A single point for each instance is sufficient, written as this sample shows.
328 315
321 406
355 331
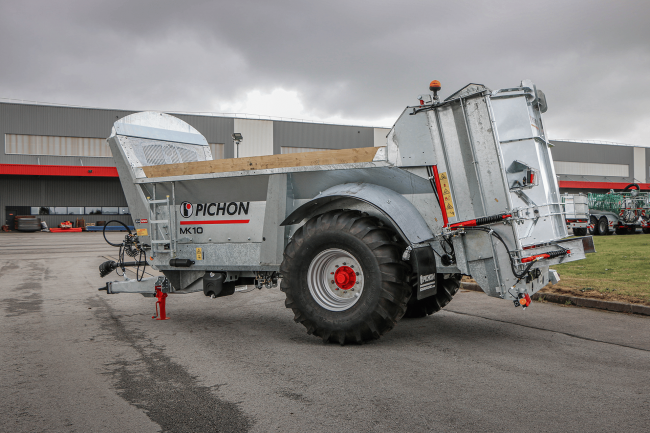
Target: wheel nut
357 274
333 283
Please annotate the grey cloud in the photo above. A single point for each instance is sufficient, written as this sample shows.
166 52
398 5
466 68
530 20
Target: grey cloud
363 59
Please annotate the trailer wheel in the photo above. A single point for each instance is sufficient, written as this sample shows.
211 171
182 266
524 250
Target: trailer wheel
447 288
580 231
344 278
621 230
646 230
593 225
603 226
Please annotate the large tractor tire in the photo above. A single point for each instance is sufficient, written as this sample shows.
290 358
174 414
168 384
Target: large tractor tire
603 226
447 288
580 231
344 277
593 225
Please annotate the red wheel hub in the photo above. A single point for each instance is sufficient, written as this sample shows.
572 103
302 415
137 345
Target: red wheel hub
345 277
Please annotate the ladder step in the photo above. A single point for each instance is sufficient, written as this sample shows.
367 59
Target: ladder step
158 221
161 242
157 201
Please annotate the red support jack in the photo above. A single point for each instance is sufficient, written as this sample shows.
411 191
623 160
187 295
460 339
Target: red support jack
160 314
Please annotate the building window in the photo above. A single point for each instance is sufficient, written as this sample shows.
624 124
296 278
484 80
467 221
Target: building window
79 210
56 146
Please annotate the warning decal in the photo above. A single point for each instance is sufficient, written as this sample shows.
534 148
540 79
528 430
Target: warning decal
446 194
199 254
142 232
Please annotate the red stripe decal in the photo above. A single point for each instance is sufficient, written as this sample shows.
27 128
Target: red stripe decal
194 223
441 200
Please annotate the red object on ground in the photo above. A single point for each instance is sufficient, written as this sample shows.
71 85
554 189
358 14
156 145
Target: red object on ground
345 277
65 225
528 300
59 230
58 170
441 199
161 313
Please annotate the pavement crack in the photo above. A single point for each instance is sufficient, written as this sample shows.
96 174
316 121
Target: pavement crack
568 334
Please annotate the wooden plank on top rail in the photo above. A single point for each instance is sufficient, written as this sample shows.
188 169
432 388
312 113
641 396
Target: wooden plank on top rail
327 157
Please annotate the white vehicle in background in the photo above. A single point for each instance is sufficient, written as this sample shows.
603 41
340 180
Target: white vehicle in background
576 209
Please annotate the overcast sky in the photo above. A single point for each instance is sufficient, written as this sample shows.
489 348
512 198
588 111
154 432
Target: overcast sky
357 62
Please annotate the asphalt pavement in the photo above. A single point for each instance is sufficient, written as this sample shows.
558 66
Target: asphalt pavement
77 360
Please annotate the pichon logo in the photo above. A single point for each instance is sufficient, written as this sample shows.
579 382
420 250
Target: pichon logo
186 209
214 209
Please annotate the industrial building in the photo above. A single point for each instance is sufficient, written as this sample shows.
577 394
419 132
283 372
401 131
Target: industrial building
55 162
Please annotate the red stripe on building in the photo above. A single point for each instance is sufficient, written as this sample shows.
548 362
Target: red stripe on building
599 185
193 223
57 170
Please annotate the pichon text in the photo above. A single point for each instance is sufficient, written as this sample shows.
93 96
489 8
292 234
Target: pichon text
213 209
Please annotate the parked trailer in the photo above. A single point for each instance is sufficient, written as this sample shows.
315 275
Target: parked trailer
358 237
621 212
576 209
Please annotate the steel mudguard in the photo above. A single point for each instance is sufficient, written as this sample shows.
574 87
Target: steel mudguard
403 215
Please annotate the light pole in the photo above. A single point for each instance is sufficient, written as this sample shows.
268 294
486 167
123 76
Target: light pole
237 138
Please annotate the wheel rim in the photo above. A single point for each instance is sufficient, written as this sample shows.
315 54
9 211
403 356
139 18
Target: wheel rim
603 227
335 279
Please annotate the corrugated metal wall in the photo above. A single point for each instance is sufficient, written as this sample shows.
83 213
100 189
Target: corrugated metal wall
593 153
214 129
60 191
295 134
56 146
380 136
591 169
257 137
285 150
56 121
217 150
26 119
